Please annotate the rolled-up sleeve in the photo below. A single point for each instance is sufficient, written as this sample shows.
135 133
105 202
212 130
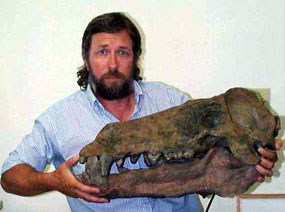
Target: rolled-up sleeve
35 150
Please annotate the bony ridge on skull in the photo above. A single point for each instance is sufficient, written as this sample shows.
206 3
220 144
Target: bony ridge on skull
203 146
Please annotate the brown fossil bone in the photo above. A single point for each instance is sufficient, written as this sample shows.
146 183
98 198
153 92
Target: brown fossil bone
203 146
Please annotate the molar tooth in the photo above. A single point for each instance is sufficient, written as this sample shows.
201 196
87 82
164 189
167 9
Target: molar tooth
151 159
179 155
168 155
134 158
106 162
154 158
188 154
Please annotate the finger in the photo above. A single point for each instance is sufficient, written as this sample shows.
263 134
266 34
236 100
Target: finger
278 144
73 182
87 189
73 191
266 163
72 161
260 179
96 199
91 198
269 154
263 171
84 188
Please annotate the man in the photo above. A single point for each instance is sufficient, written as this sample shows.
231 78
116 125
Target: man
111 91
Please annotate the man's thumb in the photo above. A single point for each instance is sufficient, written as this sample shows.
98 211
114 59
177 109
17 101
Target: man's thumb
72 161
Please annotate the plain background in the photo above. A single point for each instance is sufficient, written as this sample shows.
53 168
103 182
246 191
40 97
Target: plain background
203 47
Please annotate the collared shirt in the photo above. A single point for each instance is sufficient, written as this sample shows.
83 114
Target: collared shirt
68 125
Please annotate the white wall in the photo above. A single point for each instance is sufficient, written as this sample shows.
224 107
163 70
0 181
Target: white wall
199 46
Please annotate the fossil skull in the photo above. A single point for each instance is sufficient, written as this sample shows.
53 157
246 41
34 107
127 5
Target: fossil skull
202 146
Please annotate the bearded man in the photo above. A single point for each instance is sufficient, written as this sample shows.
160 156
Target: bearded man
111 91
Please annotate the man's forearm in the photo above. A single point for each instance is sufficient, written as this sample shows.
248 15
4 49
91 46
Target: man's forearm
24 180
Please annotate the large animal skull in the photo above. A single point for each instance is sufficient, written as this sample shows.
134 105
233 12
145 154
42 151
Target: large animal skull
203 146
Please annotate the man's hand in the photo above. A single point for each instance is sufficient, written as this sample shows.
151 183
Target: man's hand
24 180
65 182
268 159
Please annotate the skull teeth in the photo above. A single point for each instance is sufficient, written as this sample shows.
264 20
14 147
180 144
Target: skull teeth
170 156
188 154
120 162
122 169
93 169
92 162
134 158
106 162
99 166
151 159
173 156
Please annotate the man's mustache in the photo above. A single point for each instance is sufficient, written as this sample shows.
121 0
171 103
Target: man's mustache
114 73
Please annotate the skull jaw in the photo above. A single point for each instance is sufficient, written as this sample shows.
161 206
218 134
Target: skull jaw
218 172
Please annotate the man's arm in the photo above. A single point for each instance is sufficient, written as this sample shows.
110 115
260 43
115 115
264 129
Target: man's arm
24 180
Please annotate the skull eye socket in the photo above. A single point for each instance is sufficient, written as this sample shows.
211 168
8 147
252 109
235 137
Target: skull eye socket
211 119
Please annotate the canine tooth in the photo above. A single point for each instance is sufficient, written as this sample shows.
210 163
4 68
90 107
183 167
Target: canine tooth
134 158
92 165
92 161
106 162
93 170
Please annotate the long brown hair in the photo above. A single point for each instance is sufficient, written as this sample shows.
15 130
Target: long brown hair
109 23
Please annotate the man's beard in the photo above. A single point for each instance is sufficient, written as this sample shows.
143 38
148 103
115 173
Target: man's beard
118 89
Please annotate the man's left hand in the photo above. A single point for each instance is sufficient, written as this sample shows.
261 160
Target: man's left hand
268 159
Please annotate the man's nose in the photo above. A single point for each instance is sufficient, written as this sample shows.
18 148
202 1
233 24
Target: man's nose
113 62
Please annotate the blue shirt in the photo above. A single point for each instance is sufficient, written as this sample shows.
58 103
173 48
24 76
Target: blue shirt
68 125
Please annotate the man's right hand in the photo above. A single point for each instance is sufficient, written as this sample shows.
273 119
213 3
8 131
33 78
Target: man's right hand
24 180
65 182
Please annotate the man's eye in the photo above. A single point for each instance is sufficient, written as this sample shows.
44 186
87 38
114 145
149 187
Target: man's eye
102 52
123 52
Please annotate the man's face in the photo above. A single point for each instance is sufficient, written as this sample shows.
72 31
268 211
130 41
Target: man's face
110 63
